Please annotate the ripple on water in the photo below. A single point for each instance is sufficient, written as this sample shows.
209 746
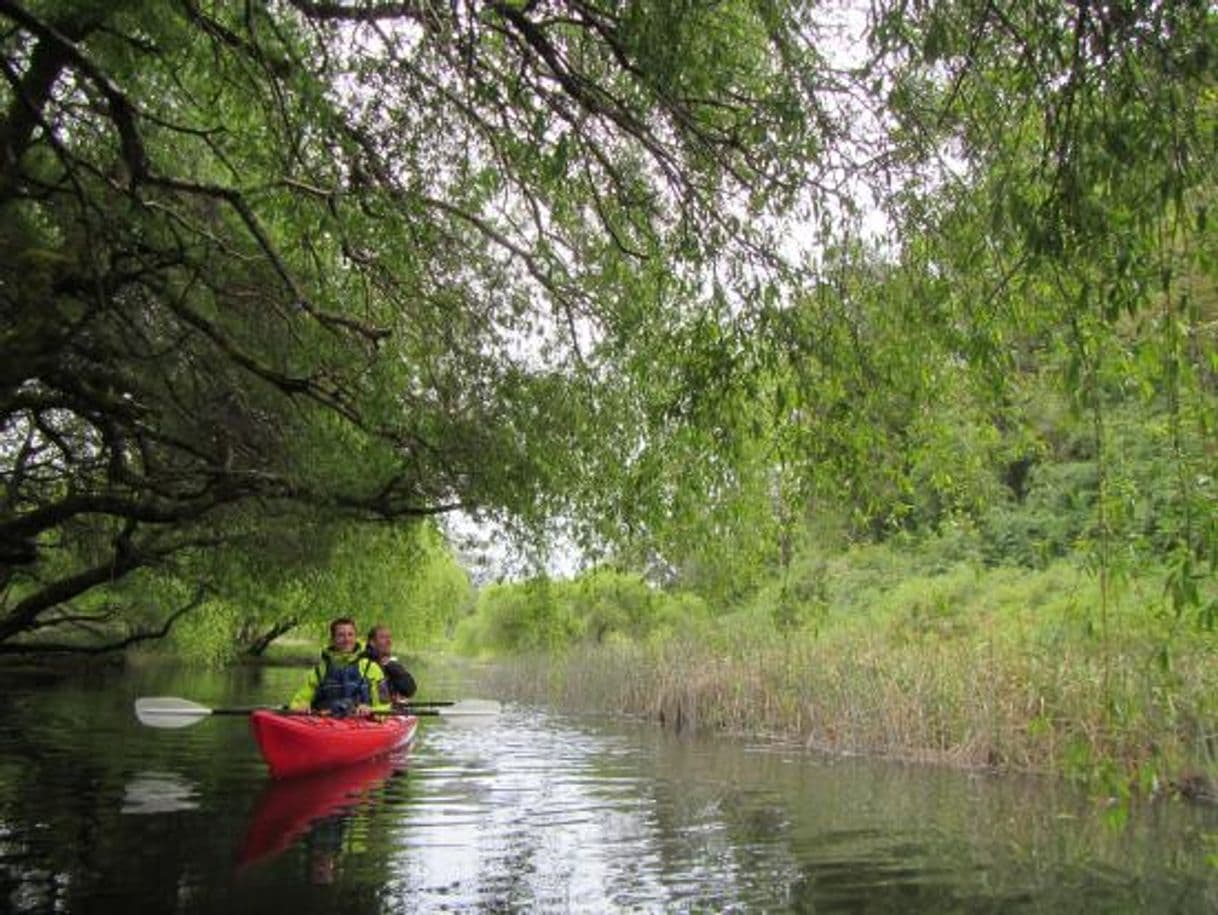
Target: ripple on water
544 812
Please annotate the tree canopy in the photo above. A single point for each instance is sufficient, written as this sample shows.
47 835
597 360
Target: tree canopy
271 268
265 266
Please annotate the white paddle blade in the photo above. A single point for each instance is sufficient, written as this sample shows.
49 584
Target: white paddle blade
468 708
169 712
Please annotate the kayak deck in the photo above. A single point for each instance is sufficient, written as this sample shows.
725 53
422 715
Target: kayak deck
298 744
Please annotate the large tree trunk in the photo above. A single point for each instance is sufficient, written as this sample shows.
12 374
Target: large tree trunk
258 646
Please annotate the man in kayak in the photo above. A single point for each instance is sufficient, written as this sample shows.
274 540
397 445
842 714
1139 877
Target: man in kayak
346 680
398 684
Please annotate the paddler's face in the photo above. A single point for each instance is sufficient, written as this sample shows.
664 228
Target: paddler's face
382 643
344 637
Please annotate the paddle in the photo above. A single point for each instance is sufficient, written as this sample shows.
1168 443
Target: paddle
171 712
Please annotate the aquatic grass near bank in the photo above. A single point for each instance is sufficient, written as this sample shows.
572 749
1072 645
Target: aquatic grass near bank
979 670
957 703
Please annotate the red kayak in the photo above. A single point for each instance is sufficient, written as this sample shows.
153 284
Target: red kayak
296 744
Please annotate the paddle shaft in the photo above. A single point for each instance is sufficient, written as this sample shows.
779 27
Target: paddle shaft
249 710
172 712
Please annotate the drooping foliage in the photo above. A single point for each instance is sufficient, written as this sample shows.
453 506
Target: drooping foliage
274 268
378 574
269 266
1046 173
1061 228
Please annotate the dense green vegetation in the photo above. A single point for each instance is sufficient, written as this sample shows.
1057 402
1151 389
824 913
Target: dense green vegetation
1023 600
405 578
913 650
281 283
267 270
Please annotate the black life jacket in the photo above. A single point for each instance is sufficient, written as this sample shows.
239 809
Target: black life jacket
341 686
397 682
398 679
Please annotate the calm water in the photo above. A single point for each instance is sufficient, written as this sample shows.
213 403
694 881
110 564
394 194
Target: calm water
539 812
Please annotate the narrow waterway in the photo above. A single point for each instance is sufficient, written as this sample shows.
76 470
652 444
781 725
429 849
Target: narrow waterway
538 811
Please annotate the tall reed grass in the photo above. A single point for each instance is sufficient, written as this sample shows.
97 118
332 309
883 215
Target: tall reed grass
973 669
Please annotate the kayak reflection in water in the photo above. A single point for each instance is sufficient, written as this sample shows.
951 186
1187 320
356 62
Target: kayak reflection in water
398 685
325 844
317 808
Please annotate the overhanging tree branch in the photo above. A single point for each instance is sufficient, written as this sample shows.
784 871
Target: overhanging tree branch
142 635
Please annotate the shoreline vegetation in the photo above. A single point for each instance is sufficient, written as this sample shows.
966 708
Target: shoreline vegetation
1003 669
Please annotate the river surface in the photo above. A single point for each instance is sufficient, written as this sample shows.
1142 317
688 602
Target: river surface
539 811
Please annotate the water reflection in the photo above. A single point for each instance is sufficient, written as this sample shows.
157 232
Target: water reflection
317 808
542 812
159 792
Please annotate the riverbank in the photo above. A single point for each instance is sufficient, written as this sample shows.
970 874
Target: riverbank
1002 669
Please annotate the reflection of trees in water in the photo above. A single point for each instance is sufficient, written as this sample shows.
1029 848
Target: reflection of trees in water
659 824
70 844
717 840
510 885
722 828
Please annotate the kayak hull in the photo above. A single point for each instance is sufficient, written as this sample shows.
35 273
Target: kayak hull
300 744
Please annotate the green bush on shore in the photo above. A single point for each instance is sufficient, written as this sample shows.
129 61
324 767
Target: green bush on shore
1000 667
600 607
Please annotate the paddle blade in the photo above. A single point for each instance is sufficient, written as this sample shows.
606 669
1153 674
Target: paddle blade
169 712
470 708
464 708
